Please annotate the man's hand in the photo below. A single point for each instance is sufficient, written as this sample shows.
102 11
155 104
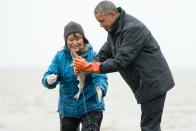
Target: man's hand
82 65
76 72
51 79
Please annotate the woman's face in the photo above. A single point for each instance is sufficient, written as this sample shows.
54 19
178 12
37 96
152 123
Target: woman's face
75 42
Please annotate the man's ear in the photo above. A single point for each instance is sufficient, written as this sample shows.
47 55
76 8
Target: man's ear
112 13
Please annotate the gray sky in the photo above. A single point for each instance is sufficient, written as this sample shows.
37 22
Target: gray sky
31 31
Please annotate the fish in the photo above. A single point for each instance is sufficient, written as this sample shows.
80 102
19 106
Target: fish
99 93
80 77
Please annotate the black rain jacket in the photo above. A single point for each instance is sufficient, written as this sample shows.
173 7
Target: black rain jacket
131 50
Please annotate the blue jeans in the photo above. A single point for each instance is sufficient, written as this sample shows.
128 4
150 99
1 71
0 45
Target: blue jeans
90 122
152 114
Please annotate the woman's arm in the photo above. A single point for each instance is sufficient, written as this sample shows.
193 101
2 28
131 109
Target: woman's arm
53 69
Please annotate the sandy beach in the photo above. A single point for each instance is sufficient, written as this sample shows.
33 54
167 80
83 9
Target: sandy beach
28 106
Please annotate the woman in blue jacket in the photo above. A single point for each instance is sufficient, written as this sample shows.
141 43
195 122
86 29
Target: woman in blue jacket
88 109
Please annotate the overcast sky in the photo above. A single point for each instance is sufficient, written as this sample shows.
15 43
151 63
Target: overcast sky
31 31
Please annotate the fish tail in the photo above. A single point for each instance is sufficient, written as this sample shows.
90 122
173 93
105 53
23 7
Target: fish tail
78 94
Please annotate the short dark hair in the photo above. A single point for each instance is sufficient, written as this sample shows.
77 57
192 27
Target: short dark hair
105 7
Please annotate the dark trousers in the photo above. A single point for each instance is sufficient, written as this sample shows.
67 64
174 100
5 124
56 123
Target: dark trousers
152 114
90 122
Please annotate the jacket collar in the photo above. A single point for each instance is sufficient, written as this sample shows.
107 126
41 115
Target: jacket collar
117 25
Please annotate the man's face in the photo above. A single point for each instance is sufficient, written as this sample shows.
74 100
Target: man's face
105 20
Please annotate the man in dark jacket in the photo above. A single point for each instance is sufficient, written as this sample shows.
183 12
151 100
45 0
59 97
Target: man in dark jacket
132 50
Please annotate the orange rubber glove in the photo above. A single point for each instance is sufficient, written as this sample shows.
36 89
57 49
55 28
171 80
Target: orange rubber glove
76 72
82 65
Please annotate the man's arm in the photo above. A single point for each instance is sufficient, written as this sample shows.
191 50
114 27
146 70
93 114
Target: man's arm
132 43
104 53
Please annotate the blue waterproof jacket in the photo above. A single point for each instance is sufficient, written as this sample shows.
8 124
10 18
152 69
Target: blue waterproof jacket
68 105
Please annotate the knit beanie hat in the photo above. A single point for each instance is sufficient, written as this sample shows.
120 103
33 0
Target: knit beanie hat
73 27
